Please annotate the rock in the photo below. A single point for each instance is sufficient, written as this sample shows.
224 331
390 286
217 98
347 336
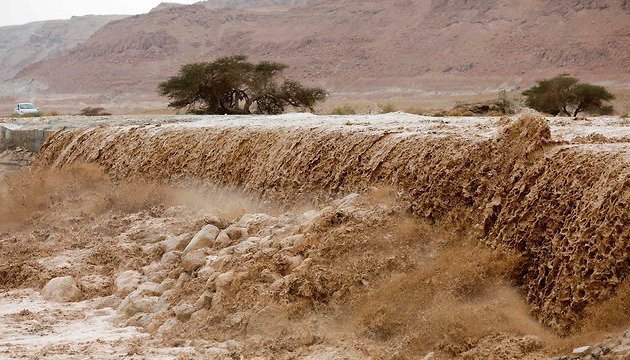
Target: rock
224 279
126 282
203 238
204 301
170 258
223 240
152 238
137 302
157 276
167 296
173 243
183 311
194 260
581 349
293 241
199 315
167 284
183 278
236 233
111 301
95 283
215 221
294 262
150 288
167 325
62 289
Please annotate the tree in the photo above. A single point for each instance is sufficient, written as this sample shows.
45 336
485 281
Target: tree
232 85
566 95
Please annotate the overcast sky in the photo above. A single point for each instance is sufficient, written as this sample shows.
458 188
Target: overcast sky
15 12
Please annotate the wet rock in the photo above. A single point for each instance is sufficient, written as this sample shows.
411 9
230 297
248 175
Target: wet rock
95 284
183 278
194 260
167 326
204 301
167 284
223 240
126 282
215 221
173 243
170 258
581 350
293 241
150 288
111 301
203 238
183 311
236 233
137 302
62 289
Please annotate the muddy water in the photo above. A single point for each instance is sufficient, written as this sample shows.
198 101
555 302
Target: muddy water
563 207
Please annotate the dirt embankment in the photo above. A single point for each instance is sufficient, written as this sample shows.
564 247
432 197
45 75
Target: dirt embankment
563 208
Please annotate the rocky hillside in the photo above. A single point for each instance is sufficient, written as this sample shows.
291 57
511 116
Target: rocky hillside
386 46
23 45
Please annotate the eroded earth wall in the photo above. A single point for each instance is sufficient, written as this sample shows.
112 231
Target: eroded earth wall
563 207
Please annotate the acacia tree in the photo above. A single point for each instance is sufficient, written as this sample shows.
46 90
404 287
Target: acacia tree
232 85
567 96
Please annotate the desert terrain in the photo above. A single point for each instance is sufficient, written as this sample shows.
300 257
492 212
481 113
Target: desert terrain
387 50
318 237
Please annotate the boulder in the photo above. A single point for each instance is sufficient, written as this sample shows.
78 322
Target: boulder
204 301
95 284
203 238
183 311
236 233
126 282
194 260
223 240
62 289
173 243
137 302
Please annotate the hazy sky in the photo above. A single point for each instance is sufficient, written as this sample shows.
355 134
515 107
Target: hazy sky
15 12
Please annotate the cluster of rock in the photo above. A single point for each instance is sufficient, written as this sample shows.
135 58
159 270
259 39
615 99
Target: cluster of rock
196 272
616 348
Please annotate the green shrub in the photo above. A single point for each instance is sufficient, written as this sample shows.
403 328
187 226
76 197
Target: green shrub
565 95
94 111
343 110
386 108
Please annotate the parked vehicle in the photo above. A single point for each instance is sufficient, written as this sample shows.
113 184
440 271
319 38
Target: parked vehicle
26 109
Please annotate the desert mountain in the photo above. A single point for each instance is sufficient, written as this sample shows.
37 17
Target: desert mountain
355 46
23 45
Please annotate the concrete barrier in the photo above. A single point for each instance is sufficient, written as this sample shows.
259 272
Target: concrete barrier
12 136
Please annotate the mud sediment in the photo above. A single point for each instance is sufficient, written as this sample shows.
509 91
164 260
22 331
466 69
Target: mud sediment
563 207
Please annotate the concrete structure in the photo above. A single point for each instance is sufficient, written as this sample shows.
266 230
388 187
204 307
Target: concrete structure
29 138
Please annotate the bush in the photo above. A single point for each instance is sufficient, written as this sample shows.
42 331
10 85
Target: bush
418 111
233 85
343 110
386 108
565 95
459 112
96 111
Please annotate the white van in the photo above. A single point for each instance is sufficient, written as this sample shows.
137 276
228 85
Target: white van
26 109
